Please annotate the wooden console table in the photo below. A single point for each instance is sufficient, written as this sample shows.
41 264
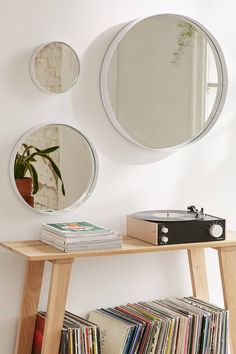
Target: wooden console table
36 253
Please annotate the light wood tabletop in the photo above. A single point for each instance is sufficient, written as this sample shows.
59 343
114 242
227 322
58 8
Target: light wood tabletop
36 250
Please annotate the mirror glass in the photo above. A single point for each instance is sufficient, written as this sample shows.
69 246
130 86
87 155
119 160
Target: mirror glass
55 67
53 168
163 81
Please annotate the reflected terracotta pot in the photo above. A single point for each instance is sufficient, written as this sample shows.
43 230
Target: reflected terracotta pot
25 187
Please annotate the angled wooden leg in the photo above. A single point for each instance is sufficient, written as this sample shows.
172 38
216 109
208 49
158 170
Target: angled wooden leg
227 260
29 306
60 277
197 267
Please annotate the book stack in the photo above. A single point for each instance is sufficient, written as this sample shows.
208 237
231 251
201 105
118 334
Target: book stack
79 236
171 326
78 336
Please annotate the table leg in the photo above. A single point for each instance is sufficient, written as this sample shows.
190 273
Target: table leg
197 267
29 306
227 260
60 277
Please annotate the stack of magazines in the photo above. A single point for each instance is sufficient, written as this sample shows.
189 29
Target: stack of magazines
78 336
181 326
79 236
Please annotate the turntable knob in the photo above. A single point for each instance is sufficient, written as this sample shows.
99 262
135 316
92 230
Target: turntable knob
216 230
164 229
165 239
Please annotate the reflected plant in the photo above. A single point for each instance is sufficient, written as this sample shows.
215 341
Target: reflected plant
24 163
184 39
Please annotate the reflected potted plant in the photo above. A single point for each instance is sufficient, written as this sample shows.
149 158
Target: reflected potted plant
24 167
184 39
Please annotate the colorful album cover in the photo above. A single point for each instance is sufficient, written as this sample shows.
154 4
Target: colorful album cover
38 334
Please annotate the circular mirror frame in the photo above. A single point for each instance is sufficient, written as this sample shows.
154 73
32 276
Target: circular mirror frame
220 96
84 196
32 71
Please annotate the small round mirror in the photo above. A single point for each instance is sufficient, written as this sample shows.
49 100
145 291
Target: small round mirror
53 168
55 67
163 81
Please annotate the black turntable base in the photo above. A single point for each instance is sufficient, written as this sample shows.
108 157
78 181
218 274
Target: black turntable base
161 227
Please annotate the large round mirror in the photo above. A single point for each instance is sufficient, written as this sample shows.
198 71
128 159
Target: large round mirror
163 81
55 67
53 168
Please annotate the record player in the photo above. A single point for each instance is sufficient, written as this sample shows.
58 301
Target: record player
162 227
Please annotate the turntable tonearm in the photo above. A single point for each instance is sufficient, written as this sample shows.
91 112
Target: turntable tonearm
161 227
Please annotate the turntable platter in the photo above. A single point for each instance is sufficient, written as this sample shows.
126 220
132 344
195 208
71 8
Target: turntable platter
165 215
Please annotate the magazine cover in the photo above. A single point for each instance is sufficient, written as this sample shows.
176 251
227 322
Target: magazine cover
81 228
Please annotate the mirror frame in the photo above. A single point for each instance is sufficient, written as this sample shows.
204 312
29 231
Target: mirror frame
32 71
220 96
93 179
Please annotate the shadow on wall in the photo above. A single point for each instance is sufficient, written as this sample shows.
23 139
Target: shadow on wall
10 296
88 108
18 78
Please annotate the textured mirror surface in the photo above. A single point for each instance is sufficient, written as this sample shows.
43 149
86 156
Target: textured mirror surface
55 67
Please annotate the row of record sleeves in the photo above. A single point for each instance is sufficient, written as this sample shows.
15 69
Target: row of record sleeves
172 326
78 336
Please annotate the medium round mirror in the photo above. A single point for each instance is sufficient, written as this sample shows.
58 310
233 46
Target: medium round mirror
53 168
163 81
55 67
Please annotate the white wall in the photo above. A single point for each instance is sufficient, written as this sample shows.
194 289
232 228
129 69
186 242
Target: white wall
130 178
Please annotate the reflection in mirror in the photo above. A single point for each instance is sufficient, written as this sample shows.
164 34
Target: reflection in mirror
53 168
55 67
163 81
